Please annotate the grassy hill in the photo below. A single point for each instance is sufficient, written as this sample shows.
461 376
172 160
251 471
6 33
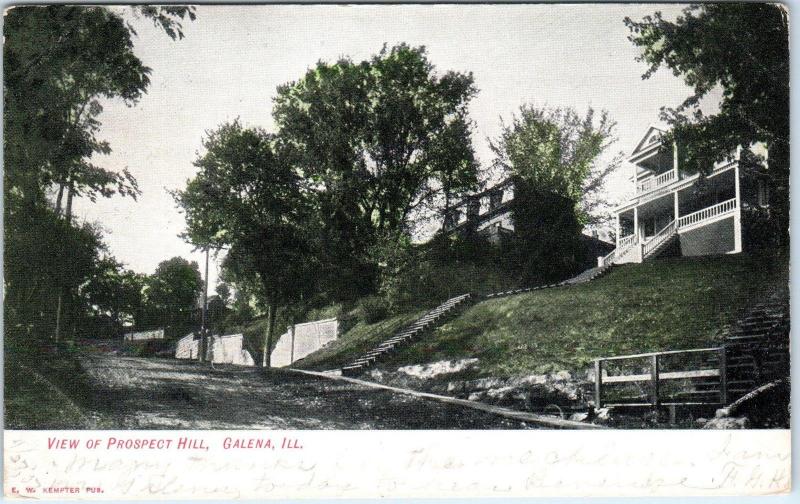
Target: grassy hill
665 304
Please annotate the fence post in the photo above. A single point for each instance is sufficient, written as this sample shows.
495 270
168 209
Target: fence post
291 349
723 376
598 383
654 378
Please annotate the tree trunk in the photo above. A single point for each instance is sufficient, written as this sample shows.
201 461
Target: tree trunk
273 308
57 334
68 211
59 198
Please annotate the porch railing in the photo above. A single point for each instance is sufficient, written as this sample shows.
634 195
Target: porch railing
697 376
626 241
655 182
607 259
707 213
657 239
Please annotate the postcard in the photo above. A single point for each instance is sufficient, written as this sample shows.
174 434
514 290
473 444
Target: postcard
396 250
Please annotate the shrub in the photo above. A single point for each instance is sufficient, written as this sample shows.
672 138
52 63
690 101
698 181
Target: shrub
373 309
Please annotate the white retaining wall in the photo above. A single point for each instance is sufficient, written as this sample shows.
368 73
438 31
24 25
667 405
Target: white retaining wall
187 347
145 335
222 349
228 350
303 339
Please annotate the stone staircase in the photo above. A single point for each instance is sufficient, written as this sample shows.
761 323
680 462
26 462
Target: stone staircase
585 276
756 351
407 334
757 346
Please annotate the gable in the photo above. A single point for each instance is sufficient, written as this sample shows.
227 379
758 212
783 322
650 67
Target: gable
652 137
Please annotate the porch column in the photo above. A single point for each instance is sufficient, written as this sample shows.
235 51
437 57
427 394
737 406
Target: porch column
737 215
675 162
636 222
677 209
618 230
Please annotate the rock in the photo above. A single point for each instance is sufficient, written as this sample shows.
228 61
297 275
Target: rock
722 413
499 393
701 421
563 376
579 417
433 369
728 423
603 414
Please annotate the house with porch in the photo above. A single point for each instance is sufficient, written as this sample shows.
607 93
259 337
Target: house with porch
488 214
672 210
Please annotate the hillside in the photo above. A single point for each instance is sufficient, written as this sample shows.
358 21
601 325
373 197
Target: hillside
665 304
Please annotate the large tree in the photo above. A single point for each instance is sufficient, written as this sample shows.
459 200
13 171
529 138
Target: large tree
558 151
248 197
382 139
113 297
59 62
741 49
559 161
172 292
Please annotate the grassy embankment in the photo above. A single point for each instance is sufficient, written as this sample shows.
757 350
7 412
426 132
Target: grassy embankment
45 388
660 305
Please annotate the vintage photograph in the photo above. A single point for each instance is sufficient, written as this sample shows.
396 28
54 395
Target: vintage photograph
395 217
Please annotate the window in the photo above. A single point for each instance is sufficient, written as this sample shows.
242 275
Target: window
473 209
763 193
495 198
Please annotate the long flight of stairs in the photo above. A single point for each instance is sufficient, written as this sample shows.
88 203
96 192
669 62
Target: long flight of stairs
757 346
585 276
407 334
756 351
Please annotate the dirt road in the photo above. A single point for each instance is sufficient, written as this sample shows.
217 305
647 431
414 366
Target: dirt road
145 393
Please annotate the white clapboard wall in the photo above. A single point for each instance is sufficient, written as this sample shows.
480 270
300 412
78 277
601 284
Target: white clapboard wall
227 349
303 339
144 335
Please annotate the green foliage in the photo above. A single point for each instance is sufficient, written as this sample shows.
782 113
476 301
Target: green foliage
37 241
372 309
558 151
546 245
115 292
742 48
555 158
422 276
172 292
249 197
58 62
381 139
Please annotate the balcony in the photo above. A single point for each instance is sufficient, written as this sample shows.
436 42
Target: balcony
653 183
708 214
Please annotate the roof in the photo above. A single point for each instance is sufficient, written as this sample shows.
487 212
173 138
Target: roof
652 137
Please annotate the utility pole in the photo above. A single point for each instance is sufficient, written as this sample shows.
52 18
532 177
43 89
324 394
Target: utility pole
203 329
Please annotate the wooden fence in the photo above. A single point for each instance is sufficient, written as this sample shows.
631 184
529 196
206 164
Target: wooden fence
681 377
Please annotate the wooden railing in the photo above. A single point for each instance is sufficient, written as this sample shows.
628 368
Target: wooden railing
626 241
707 213
655 182
607 259
653 243
625 246
655 377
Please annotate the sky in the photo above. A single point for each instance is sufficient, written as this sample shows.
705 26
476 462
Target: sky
233 57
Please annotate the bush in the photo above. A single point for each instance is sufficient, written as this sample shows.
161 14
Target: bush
373 309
